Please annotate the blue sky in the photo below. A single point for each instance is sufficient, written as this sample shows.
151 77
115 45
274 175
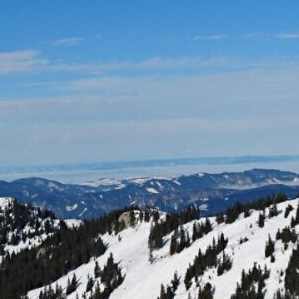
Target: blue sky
87 81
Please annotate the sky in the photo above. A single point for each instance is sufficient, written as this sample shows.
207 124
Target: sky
99 81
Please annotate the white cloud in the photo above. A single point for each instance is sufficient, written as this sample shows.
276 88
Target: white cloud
217 36
153 64
212 114
210 37
20 61
70 41
287 36
180 95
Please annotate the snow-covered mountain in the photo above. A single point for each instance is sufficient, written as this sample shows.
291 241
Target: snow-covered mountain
253 249
211 192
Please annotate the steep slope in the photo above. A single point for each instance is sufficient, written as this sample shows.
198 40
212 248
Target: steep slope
211 192
142 278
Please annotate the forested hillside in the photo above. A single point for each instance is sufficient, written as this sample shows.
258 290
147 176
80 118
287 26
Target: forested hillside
249 251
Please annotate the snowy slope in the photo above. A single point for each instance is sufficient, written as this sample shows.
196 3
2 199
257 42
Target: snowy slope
143 279
36 236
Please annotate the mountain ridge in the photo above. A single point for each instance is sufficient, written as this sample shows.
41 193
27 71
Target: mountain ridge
211 192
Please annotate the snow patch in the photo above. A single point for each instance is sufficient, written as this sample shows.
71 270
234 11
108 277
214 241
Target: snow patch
71 207
5 201
152 190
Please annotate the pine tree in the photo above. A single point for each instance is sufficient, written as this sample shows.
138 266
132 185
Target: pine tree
146 215
220 218
173 244
175 281
206 292
187 279
90 283
182 243
288 209
273 211
132 218
71 285
97 270
224 265
270 247
194 231
261 220
162 292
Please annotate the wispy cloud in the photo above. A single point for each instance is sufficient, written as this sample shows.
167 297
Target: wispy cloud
147 115
287 36
153 64
217 36
20 61
70 41
258 34
210 37
253 35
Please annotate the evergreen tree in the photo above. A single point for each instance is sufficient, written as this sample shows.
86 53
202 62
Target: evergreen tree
206 260
90 283
206 292
261 220
220 218
273 211
97 270
172 222
255 277
132 218
224 264
175 281
173 244
71 285
288 209
292 275
146 215
270 247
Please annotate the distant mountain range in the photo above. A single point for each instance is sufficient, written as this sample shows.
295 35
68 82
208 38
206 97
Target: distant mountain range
211 192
